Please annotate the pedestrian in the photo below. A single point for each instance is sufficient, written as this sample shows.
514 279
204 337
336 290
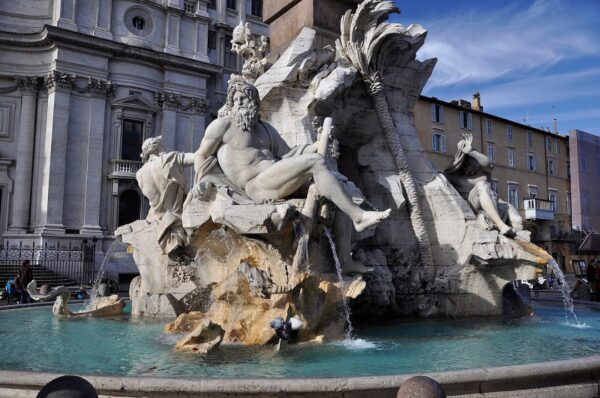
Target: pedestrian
591 273
25 277
550 280
11 290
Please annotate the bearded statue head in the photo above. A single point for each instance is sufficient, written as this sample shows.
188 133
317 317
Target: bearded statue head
152 146
244 116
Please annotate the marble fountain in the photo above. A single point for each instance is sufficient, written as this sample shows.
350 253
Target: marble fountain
314 206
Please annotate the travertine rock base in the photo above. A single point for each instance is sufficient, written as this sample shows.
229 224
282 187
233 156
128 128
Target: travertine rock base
246 318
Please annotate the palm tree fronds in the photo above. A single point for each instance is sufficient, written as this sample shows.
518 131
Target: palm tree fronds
364 32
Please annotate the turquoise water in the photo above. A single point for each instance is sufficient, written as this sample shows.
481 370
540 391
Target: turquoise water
33 339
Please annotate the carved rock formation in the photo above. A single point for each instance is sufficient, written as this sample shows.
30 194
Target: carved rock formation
206 337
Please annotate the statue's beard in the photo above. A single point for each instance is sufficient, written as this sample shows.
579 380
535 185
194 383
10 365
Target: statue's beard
245 118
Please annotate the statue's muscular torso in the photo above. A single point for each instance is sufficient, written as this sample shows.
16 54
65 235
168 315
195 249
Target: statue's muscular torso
241 155
471 174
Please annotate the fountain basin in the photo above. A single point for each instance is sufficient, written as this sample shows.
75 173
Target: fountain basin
137 355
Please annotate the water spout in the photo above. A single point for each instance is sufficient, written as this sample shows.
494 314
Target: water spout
338 268
102 271
565 292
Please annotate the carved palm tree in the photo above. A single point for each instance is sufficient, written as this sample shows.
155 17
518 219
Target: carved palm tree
366 41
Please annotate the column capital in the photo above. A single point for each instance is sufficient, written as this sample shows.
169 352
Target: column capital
100 88
58 81
196 105
29 85
167 100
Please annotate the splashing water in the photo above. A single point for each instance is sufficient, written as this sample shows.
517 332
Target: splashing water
565 292
300 232
338 268
357 344
101 272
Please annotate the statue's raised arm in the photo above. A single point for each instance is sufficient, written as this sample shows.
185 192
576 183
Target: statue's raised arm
257 160
470 173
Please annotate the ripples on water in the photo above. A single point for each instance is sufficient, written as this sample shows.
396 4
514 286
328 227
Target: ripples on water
135 346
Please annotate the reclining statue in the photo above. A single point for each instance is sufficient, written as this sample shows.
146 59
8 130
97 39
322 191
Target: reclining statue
470 173
258 162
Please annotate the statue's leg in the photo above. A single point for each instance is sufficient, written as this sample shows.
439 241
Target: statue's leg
287 175
515 219
342 228
483 200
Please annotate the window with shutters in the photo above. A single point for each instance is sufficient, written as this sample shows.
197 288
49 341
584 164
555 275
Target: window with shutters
437 113
466 120
511 158
513 195
438 142
491 152
530 161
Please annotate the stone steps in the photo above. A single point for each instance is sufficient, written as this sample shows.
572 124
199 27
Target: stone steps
41 275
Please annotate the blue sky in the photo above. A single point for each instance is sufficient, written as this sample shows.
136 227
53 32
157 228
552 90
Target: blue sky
531 60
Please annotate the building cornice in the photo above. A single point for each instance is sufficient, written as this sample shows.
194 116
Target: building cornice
38 39
489 115
59 36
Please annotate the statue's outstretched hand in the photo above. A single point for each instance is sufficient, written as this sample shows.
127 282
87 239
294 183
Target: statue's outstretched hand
468 140
198 190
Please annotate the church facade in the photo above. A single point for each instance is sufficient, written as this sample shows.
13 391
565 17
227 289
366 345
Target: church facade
82 84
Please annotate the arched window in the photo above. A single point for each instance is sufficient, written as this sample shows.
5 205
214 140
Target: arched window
129 207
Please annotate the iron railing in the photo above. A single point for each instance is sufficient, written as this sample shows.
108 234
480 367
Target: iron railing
538 209
51 264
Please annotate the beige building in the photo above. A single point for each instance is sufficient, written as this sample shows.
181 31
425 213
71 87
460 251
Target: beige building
531 166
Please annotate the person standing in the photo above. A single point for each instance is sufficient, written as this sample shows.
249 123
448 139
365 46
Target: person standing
592 277
25 276
11 290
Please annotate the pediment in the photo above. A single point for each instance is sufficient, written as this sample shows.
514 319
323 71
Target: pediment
135 101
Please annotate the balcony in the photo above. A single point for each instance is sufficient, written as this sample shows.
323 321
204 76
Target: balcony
125 169
538 209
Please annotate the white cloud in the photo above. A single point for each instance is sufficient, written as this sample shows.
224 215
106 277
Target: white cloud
554 88
484 45
584 114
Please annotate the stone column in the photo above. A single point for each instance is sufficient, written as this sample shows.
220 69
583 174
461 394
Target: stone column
24 156
103 19
198 128
169 103
54 153
93 185
65 11
241 9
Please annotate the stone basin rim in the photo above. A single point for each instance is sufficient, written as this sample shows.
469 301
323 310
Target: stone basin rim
583 370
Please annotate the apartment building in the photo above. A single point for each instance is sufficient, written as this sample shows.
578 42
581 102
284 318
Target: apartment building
585 175
531 165
82 84
585 193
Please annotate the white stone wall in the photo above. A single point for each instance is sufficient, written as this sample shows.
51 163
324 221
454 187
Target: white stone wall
89 68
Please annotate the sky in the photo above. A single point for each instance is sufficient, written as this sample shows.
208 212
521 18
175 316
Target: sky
531 60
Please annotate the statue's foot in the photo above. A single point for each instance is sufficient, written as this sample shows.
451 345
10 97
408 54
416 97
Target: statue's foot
371 218
352 266
508 231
